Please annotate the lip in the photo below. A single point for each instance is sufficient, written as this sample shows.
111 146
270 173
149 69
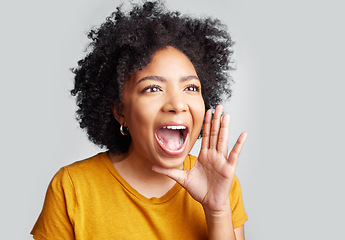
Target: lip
183 147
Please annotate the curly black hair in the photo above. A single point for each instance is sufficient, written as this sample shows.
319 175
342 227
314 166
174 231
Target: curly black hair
125 43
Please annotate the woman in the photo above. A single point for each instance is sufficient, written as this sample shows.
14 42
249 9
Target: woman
142 92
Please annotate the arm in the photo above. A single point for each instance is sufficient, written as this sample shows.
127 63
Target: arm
209 181
219 224
55 218
239 233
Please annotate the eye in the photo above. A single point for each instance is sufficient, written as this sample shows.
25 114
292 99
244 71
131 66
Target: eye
193 88
151 88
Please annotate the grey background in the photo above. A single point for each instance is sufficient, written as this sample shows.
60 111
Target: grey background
288 96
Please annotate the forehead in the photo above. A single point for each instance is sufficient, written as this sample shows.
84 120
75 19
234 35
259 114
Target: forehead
168 63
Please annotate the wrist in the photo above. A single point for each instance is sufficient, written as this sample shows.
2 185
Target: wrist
217 209
218 213
219 223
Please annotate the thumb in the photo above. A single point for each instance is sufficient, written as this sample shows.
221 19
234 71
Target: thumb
178 175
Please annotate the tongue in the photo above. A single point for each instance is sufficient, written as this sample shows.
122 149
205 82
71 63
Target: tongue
171 139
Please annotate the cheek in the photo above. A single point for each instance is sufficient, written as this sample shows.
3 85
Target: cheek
140 115
199 113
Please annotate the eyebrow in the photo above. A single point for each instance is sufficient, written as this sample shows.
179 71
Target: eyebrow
162 79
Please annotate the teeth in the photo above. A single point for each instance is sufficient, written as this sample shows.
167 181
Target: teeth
175 127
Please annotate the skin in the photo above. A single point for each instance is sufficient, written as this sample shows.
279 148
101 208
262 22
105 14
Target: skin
168 92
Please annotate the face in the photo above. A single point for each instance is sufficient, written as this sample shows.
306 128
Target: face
163 109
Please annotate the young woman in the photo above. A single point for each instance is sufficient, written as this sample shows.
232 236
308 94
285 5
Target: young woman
142 92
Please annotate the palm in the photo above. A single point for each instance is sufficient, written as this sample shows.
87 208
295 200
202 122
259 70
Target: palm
209 181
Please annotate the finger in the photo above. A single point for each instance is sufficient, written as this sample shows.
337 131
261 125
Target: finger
178 175
206 132
236 150
215 127
222 145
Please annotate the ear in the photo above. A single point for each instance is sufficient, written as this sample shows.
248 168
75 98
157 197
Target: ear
117 113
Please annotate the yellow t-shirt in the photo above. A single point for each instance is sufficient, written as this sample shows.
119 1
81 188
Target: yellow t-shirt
90 200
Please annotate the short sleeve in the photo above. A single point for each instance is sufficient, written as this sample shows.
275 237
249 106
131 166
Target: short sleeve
239 215
56 218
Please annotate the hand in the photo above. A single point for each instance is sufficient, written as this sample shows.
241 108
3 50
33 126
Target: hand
209 181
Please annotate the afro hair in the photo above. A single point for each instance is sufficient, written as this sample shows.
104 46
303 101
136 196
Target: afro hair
125 43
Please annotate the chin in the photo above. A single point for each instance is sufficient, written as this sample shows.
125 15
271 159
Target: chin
172 161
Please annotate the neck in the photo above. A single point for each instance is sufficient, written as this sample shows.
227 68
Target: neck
137 172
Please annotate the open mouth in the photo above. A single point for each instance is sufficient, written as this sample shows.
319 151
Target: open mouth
172 139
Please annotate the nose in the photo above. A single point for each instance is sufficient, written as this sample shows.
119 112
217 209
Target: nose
175 103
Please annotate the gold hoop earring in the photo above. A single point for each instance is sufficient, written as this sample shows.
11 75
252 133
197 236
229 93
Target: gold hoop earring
123 130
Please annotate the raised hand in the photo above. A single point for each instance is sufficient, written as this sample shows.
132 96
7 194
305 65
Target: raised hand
209 181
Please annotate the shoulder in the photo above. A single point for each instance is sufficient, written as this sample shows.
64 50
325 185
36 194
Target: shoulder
91 165
191 160
235 184
79 171
87 163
